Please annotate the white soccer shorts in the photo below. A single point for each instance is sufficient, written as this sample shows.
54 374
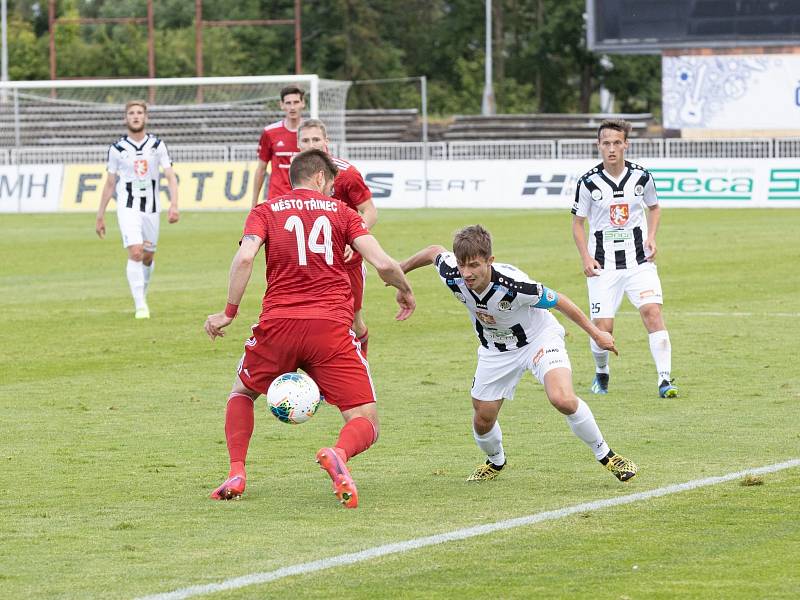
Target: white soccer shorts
498 373
641 284
138 228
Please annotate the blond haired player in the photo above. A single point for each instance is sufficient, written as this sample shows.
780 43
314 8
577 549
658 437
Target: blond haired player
134 164
349 187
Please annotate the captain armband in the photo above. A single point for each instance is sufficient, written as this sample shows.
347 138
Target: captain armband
548 299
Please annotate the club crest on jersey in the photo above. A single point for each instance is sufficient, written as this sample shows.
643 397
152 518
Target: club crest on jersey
461 297
638 190
504 305
140 167
618 214
485 318
597 195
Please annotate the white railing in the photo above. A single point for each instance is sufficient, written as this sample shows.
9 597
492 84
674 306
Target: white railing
393 151
502 150
247 152
210 153
489 150
242 152
99 154
787 147
63 155
724 148
587 148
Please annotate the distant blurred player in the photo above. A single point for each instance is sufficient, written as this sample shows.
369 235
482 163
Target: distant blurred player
349 187
306 317
620 255
510 313
277 146
133 171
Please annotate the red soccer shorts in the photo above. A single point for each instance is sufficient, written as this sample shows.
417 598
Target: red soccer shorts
357 275
327 350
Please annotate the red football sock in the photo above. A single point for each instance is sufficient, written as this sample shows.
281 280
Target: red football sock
356 436
238 428
364 339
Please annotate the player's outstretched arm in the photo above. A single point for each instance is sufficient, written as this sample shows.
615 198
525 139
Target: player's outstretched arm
422 258
105 198
388 270
241 269
570 310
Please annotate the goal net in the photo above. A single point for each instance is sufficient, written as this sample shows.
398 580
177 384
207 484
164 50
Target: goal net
197 111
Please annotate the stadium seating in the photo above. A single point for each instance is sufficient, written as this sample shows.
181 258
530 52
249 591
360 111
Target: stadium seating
49 124
537 126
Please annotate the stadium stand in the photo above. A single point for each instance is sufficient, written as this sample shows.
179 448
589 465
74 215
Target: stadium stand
399 125
54 132
538 126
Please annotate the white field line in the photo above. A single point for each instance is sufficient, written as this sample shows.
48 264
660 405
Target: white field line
459 534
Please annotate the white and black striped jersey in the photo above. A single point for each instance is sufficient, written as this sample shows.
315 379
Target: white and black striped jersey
616 211
504 314
137 167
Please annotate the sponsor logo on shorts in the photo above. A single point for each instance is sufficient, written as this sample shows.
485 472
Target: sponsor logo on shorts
504 305
647 293
538 357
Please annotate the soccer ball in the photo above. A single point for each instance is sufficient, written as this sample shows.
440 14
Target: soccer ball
293 398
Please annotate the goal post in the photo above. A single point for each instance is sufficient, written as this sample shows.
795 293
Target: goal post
218 110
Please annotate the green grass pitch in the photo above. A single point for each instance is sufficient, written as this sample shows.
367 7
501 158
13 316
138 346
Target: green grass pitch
111 429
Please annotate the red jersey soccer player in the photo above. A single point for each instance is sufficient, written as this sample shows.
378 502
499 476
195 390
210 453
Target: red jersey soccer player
278 144
349 187
306 317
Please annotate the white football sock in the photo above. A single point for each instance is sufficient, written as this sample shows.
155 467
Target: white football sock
148 272
585 427
661 349
491 443
600 357
135 272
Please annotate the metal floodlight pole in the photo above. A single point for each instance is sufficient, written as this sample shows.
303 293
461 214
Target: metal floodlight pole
423 84
487 106
4 35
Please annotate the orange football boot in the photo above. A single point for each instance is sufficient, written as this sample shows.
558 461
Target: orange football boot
343 485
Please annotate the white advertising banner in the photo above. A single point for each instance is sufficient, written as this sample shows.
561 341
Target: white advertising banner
687 182
720 183
731 92
30 188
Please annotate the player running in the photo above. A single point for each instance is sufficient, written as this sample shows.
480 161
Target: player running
133 172
349 187
306 317
517 333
